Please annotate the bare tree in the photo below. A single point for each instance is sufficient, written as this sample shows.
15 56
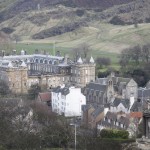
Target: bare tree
82 50
146 53
16 38
5 43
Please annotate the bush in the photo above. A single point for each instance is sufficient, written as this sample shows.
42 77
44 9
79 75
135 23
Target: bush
108 133
2 148
116 20
80 12
7 30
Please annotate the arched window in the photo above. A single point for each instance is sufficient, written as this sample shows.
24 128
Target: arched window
41 61
55 62
50 62
37 61
45 61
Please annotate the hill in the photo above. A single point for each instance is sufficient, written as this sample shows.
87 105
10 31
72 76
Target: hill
107 25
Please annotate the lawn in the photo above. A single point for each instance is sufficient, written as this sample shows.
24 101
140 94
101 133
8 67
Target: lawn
49 47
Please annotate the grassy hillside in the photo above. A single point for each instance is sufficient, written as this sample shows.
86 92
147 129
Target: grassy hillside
102 37
71 26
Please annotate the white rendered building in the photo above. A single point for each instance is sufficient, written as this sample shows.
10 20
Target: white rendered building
67 101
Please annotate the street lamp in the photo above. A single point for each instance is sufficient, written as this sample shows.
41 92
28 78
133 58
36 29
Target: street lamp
142 98
75 136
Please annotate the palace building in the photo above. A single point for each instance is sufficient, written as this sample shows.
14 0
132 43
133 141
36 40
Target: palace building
46 70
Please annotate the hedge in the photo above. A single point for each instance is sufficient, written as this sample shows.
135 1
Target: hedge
112 133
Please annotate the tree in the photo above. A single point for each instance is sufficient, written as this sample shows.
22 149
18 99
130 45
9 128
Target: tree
4 88
81 50
14 118
146 53
34 91
103 61
55 130
136 54
16 38
125 58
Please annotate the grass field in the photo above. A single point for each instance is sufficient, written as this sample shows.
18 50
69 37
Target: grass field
49 47
101 37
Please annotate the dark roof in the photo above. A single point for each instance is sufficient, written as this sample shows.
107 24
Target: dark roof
125 80
111 115
117 101
124 120
137 106
63 91
96 86
57 89
143 92
97 111
85 107
45 96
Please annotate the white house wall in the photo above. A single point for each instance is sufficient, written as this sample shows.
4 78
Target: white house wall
70 104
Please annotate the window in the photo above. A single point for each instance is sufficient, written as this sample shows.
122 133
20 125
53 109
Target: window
45 61
41 61
86 72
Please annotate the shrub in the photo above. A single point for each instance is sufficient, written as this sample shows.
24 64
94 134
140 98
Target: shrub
80 12
108 133
7 30
116 20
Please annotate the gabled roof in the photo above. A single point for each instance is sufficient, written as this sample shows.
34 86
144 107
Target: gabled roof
125 80
57 89
97 111
63 90
124 102
45 96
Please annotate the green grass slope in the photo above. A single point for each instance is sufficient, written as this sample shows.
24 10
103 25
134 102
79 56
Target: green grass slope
102 37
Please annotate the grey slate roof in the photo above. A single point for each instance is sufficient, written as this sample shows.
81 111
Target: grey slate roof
113 118
102 81
125 102
63 91
96 86
143 93
111 115
137 106
97 111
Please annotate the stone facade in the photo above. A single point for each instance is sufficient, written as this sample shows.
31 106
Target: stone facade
18 79
104 90
48 71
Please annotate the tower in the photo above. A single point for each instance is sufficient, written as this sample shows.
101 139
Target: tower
18 78
83 72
